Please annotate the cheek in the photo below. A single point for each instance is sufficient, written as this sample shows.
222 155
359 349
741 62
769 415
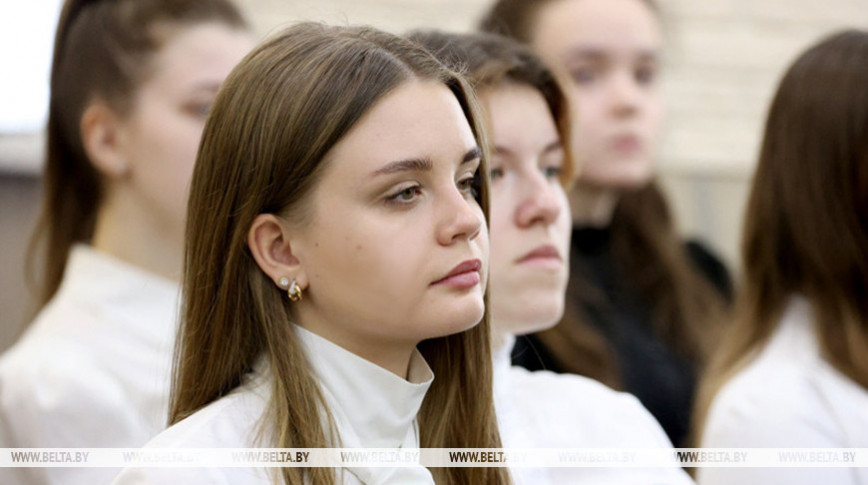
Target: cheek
371 259
502 232
589 123
170 141
656 113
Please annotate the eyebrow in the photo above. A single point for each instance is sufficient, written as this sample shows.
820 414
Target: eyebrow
205 86
553 146
598 54
422 164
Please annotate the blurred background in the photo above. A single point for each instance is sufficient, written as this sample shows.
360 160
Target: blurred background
723 61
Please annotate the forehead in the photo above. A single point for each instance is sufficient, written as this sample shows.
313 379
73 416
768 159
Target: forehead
202 53
605 25
417 120
519 115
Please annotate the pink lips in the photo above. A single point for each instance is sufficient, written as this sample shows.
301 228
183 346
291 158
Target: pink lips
545 255
627 143
463 276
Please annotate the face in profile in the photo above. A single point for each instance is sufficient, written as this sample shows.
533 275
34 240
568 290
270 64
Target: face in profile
606 55
530 218
160 136
394 248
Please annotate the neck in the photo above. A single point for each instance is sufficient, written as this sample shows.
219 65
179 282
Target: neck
390 355
593 205
126 231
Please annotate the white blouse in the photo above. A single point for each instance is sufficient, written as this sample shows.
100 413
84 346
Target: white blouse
788 396
371 407
93 368
543 409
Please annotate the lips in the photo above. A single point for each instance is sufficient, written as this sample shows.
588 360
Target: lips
464 275
627 143
545 252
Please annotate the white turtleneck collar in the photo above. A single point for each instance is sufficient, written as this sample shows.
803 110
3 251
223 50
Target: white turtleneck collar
501 351
379 406
371 407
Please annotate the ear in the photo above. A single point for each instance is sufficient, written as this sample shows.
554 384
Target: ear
101 136
270 244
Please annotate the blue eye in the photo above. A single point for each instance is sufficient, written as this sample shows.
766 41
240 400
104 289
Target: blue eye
496 173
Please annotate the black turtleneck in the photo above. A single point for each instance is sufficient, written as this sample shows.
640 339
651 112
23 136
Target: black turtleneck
660 378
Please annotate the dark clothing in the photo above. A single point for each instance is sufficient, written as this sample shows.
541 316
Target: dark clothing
660 378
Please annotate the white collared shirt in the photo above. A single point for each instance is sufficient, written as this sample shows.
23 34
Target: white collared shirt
371 407
93 368
543 409
788 396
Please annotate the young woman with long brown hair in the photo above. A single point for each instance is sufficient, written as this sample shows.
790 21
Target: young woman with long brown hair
793 369
642 305
531 170
337 247
131 84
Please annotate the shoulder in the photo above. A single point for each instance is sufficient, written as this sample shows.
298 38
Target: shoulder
229 422
54 393
769 403
577 411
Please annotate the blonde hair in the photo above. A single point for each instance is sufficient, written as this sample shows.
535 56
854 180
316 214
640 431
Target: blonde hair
276 116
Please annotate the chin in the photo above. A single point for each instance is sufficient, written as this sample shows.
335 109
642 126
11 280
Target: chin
532 319
458 320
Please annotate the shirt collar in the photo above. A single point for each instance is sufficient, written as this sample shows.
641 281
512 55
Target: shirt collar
377 406
502 355
795 334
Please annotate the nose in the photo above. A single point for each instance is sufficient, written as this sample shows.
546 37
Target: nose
539 204
624 93
460 219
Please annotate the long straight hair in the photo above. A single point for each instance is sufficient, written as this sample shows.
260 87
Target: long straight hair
102 50
276 116
806 225
686 309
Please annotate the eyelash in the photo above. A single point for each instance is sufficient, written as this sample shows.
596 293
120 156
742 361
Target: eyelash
554 171
643 75
198 109
396 198
469 186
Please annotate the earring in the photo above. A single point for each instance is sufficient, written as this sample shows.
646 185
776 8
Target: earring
294 291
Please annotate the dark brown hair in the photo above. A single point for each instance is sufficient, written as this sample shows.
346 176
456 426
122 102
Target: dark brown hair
263 151
806 225
489 60
102 50
686 309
